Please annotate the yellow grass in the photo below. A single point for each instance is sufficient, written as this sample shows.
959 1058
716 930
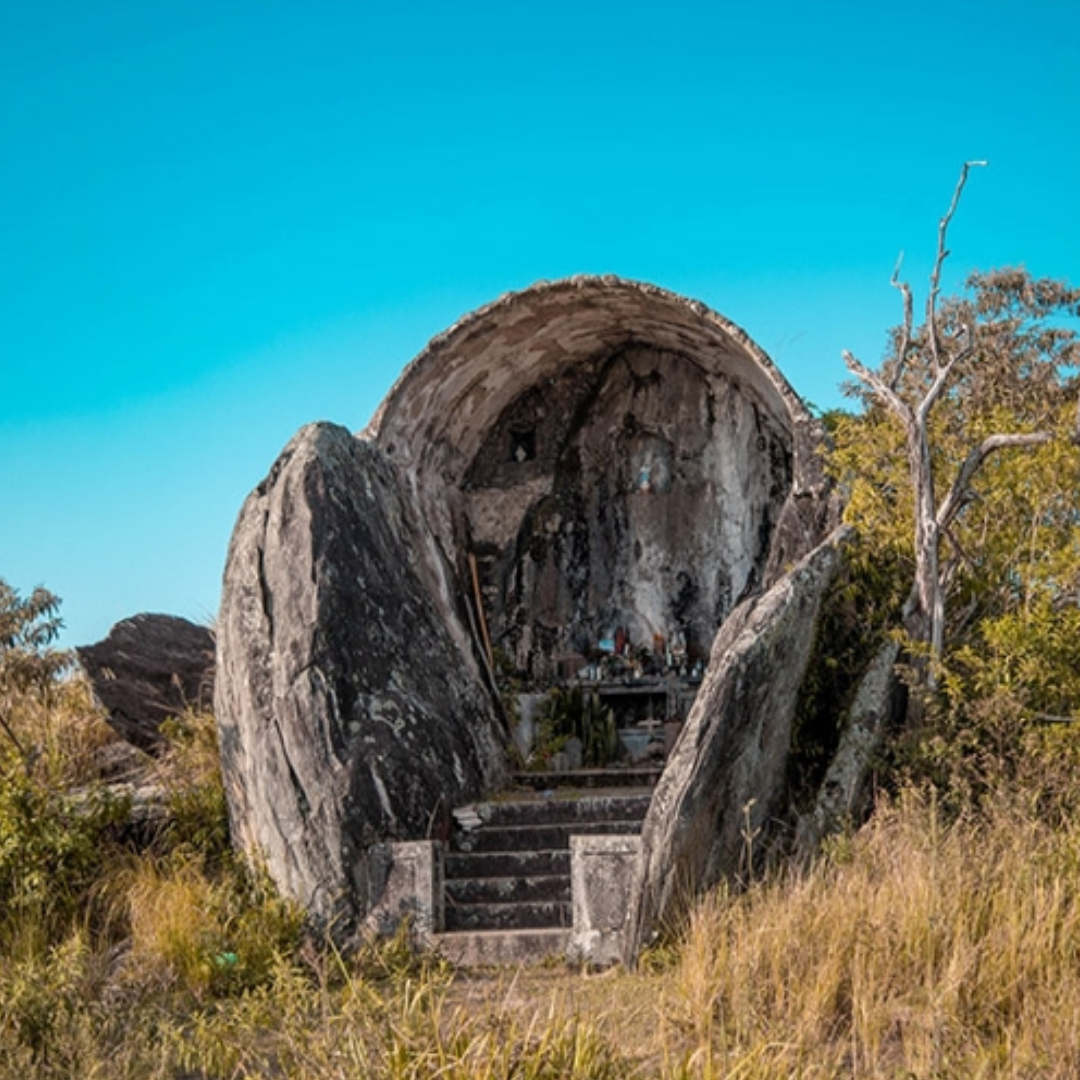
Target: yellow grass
925 946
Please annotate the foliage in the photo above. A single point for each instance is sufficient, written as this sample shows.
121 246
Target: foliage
927 944
190 915
41 995
938 364
52 847
573 713
29 665
922 946
940 940
1010 563
861 608
1016 535
28 627
53 840
190 771
207 935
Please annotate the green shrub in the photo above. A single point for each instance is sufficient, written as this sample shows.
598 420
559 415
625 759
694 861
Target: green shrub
190 770
573 713
52 847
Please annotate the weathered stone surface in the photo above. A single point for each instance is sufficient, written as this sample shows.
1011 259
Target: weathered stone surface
613 455
406 884
150 667
582 457
603 876
349 712
663 483
841 797
725 778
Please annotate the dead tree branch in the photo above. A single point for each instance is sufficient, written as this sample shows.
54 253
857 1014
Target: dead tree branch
925 609
961 487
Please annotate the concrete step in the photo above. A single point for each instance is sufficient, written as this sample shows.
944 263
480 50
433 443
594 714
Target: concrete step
536 837
560 807
508 890
498 864
481 948
509 864
532 915
632 776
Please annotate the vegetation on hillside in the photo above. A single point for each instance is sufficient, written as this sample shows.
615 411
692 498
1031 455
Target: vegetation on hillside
937 941
1010 553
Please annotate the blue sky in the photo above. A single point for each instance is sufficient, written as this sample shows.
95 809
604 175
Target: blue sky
221 220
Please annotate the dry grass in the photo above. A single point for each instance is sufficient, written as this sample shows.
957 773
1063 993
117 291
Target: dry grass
917 949
924 946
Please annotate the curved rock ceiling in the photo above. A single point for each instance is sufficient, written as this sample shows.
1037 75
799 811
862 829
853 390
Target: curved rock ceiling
439 411
610 456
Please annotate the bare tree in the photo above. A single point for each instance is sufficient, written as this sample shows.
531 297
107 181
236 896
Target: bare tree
911 400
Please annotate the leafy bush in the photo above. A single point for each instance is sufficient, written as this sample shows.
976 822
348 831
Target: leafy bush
52 847
190 771
572 713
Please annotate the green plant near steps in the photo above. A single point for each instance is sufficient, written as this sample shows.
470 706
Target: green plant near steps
571 713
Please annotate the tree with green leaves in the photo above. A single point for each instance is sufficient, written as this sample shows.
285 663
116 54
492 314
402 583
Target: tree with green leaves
983 533
29 664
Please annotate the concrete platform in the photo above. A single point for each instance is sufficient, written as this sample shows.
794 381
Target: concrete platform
483 948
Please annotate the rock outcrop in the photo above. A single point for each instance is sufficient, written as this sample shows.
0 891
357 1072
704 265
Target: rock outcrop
148 668
586 459
726 777
612 455
350 712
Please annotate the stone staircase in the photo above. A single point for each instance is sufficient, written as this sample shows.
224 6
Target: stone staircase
507 869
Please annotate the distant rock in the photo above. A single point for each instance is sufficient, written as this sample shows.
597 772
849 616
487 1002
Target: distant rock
351 711
150 667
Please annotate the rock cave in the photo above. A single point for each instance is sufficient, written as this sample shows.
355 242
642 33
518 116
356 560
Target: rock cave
589 482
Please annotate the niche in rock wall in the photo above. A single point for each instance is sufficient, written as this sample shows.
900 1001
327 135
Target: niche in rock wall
637 495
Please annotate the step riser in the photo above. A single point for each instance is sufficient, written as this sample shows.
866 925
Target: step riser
646 776
521 864
475 949
508 890
534 916
559 811
538 837
511 874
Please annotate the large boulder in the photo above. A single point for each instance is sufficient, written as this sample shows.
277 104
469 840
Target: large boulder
351 706
149 668
726 777
582 458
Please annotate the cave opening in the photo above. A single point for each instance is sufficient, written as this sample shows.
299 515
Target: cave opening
634 509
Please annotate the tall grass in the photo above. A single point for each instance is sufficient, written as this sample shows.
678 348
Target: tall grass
917 948
932 943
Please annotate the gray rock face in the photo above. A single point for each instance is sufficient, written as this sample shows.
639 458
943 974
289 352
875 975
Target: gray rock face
655 494
348 709
584 458
617 456
725 778
150 667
